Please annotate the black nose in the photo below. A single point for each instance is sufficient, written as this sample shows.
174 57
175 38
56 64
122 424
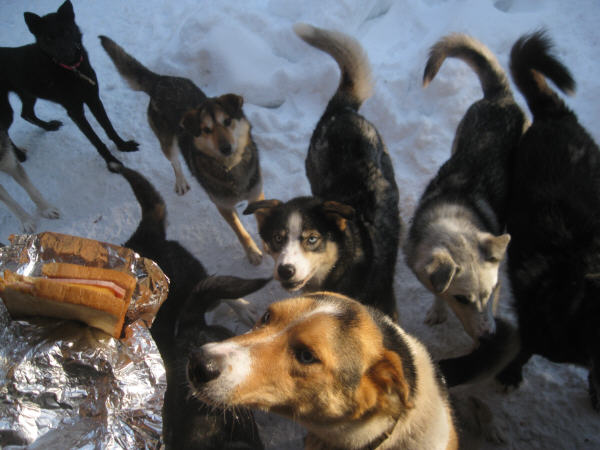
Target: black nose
286 271
201 368
225 149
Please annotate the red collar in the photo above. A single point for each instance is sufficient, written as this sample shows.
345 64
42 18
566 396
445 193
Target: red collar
73 67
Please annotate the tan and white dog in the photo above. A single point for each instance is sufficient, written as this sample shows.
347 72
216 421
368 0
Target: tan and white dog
345 371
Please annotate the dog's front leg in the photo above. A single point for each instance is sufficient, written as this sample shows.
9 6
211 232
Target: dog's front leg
97 109
252 252
76 114
438 312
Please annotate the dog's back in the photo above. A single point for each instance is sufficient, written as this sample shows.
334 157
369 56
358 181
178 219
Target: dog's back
554 256
348 162
485 139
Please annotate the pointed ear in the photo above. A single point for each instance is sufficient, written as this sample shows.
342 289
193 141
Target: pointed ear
66 10
261 209
493 247
190 122
33 21
441 270
339 212
385 386
231 102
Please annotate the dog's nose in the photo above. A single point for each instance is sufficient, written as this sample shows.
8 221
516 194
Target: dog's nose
286 271
225 149
201 368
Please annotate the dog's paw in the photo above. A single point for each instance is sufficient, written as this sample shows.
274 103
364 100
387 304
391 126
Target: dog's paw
436 315
509 380
50 212
28 225
246 311
128 146
53 125
254 256
182 188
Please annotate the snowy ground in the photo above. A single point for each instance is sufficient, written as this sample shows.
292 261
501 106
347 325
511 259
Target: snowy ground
249 48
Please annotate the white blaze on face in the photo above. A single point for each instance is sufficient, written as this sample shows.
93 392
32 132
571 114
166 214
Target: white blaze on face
292 252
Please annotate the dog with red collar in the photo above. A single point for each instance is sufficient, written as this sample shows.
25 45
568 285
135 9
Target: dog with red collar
55 67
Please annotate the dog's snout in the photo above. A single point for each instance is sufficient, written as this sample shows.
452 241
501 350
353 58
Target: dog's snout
202 368
225 149
286 271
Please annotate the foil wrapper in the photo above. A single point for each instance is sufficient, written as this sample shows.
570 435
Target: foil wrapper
66 385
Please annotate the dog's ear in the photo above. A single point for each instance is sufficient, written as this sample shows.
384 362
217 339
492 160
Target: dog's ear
191 123
33 22
384 385
493 247
261 209
231 102
66 11
441 270
339 212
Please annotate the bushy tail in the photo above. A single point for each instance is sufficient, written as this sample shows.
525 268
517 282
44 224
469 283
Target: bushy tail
491 75
137 76
530 62
355 80
154 212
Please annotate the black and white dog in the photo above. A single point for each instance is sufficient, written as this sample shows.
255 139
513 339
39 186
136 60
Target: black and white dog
345 238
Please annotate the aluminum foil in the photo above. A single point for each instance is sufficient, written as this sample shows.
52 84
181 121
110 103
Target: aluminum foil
66 385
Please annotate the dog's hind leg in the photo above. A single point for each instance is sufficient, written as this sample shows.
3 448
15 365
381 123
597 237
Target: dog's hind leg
252 252
97 109
76 114
28 113
11 166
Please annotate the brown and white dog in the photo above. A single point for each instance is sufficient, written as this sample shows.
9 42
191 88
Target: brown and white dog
345 371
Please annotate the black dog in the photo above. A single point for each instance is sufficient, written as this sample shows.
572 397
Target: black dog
180 326
56 68
554 221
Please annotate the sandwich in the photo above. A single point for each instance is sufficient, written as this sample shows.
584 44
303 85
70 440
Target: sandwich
96 296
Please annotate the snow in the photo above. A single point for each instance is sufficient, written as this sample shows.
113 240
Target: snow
249 48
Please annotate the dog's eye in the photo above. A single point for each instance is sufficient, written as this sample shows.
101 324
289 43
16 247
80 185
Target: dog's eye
266 318
227 122
206 130
278 238
305 356
462 299
312 240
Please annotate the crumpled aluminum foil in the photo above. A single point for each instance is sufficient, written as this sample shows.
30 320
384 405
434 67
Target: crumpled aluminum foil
66 385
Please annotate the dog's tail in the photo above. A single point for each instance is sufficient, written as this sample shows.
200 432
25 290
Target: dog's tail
154 212
492 77
137 76
530 61
355 80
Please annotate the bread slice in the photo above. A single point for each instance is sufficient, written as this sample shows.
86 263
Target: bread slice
93 305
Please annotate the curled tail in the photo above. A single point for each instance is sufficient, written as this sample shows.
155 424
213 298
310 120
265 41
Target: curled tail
530 62
154 212
355 80
137 76
491 75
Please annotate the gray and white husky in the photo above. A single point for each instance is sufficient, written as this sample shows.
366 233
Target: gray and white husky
456 241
